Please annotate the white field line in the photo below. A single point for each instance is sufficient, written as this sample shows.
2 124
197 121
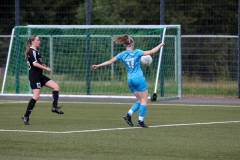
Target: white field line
114 129
112 103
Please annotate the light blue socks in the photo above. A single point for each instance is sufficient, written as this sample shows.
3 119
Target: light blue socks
142 112
134 108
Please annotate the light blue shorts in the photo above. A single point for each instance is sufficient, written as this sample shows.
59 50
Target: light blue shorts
137 84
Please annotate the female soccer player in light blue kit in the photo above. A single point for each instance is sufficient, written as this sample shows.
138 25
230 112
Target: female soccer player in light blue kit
136 80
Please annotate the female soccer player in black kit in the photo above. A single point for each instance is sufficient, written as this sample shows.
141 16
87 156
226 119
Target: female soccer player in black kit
37 79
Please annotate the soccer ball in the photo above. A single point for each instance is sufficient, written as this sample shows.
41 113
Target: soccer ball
146 60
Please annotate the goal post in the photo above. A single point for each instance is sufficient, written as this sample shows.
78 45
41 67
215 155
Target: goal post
70 51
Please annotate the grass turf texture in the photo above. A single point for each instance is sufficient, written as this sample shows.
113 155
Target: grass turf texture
91 141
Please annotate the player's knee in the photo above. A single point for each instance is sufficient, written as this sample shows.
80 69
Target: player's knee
56 87
144 101
36 97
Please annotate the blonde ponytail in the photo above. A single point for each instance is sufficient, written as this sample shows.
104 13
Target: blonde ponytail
125 39
27 49
28 44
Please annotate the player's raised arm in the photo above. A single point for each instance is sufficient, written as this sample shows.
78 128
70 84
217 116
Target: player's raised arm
104 63
154 50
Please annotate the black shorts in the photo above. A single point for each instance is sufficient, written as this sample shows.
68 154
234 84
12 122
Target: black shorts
38 82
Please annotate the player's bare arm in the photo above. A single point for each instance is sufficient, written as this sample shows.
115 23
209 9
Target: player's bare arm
154 50
104 63
44 67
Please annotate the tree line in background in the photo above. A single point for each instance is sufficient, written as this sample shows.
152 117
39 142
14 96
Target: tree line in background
196 17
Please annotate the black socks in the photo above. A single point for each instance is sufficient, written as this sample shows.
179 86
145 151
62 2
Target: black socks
30 107
55 98
32 103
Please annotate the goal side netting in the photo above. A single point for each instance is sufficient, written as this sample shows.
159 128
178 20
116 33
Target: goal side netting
70 51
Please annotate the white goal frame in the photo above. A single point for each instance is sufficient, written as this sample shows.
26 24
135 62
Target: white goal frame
178 68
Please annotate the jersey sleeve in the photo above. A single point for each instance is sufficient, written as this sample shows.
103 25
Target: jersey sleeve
119 56
140 52
33 56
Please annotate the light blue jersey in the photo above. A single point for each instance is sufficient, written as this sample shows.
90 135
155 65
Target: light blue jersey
131 60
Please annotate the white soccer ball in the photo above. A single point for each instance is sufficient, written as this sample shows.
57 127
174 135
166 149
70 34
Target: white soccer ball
146 60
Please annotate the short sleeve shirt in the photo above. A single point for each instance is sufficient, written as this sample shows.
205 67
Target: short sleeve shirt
131 60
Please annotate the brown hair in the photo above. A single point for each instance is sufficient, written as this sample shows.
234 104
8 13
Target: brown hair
28 44
125 39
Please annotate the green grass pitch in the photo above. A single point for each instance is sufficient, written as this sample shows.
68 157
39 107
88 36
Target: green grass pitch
96 130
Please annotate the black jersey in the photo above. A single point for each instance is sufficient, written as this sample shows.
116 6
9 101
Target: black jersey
33 57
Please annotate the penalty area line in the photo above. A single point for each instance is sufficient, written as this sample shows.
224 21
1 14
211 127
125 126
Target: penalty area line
114 129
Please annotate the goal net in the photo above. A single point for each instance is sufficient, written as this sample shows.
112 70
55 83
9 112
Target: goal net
70 51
